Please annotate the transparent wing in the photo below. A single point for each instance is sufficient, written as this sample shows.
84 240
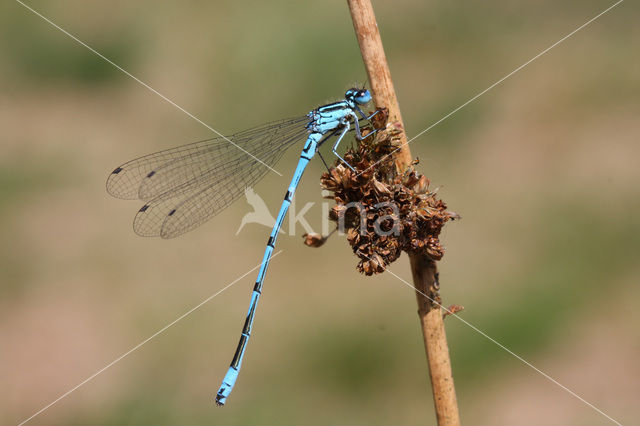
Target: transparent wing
185 186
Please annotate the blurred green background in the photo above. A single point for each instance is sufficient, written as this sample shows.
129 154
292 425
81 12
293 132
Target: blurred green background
543 169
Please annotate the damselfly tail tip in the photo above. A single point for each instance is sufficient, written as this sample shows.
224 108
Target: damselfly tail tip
221 398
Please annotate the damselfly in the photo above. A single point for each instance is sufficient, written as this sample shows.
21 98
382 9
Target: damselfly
185 186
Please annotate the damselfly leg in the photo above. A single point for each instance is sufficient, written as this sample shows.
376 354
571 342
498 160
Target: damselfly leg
356 125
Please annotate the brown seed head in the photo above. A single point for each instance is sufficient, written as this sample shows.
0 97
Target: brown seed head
396 211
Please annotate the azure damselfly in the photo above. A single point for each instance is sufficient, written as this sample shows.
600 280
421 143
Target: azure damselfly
185 186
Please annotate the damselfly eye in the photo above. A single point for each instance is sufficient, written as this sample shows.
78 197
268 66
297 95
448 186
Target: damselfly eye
362 96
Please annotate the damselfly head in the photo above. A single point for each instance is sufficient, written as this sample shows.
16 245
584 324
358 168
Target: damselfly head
359 96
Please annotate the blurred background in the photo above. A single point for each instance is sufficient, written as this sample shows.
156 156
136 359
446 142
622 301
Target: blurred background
543 170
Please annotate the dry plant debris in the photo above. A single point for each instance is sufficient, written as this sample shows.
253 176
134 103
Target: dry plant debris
383 210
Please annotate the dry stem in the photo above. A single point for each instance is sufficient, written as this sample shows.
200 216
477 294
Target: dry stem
423 269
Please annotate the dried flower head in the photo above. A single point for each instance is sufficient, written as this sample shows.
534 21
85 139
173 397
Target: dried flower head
313 239
452 310
383 210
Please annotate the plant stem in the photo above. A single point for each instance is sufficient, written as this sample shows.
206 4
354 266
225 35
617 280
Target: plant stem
423 269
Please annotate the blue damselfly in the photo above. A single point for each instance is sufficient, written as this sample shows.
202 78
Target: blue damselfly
185 186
